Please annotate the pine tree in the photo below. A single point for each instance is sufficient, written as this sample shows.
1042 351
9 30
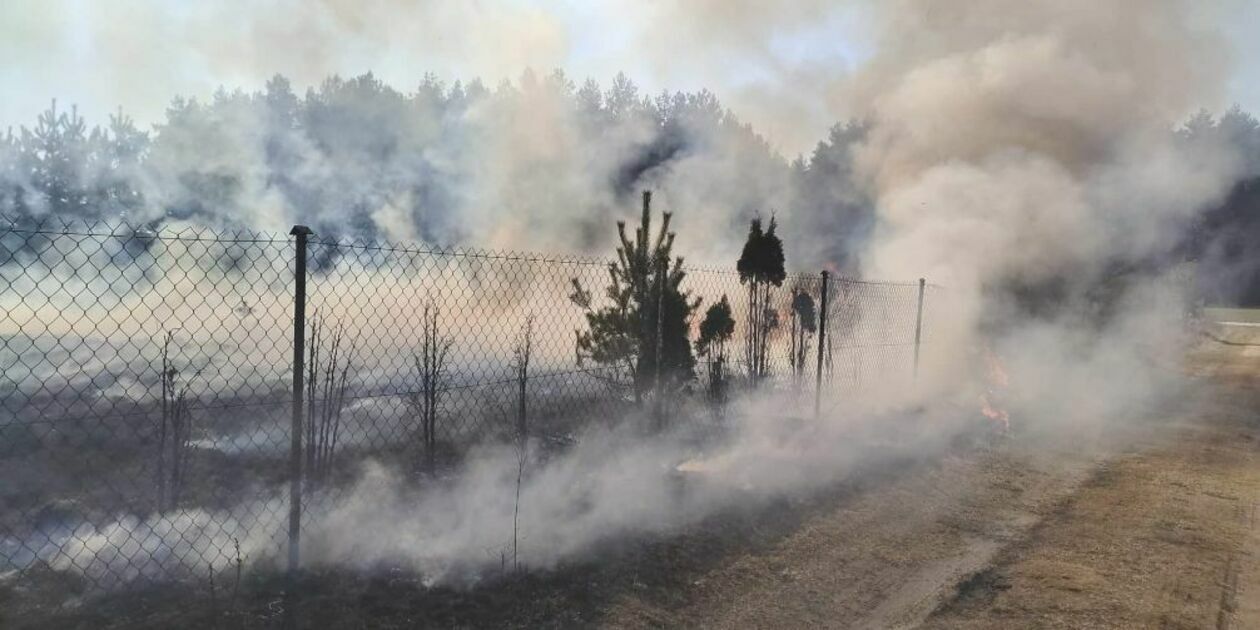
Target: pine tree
57 153
122 151
715 331
761 267
12 191
804 324
623 333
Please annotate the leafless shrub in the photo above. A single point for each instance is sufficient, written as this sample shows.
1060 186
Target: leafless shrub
430 364
214 599
174 428
522 456
521 354
514 429
238 562
328 370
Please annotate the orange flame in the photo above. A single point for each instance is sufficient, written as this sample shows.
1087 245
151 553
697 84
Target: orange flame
998 380
997 372
995 414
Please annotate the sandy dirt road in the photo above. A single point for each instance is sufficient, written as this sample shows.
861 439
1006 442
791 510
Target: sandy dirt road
1164 538
1158 530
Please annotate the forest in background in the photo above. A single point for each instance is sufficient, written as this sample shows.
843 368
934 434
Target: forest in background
542 163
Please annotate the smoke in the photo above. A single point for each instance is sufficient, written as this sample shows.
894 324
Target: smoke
537 161
1020 154
137 54
538 164
615 486
544 161
1044 105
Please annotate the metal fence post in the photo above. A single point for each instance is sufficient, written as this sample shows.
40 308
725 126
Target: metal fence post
822 342
918 327
301 232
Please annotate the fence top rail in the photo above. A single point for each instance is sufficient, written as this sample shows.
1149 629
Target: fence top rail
884 283
728 271
179 230
813 276
421 249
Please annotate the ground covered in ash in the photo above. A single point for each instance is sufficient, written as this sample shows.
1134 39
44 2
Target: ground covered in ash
1151 525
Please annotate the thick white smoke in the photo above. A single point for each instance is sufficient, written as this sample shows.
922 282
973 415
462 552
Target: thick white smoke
1022 139
1023 156
1015 150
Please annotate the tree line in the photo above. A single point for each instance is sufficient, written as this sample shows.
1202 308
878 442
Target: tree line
447 163
441 164
1223 239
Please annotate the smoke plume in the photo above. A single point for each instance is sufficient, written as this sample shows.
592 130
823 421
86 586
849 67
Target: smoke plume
1020 154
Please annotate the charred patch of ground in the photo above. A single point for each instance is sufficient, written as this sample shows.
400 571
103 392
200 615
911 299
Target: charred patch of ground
1028 530
660 571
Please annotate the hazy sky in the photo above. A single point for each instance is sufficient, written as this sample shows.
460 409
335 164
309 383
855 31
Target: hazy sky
776 64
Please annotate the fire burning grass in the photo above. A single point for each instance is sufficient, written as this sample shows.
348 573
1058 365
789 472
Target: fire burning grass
996 383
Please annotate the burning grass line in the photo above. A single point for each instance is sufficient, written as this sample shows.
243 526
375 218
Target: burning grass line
285 402
1218 339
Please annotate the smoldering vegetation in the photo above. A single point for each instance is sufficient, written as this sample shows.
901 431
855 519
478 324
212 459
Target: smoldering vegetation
147 395
1053 177
1056 179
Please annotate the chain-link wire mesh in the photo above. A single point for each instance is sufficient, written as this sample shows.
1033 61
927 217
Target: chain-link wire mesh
774 343
416 355
144 373
874 335
145 400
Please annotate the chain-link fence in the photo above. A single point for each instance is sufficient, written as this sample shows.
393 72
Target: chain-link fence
153 378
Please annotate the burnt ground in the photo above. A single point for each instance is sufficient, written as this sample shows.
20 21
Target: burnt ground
1137 528
1163 537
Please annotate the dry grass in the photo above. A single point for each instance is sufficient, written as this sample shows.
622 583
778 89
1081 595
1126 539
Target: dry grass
994 533
1161 538
1152 540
